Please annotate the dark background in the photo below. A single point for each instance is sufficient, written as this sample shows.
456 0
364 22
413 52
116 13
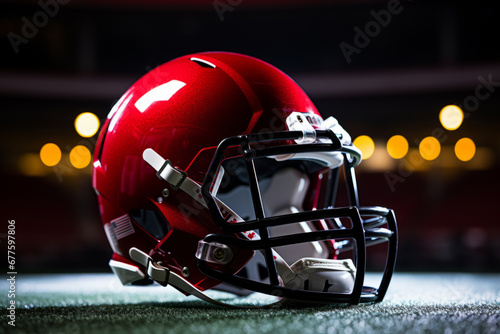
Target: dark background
430 54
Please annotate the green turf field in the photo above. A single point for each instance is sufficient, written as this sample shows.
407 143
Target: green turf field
97 303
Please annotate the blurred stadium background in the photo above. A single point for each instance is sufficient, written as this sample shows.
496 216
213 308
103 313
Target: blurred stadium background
62 58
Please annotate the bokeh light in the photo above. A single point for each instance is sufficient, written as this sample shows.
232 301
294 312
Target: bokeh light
451 117
30 165
365 145
80 156
465 149
50 154
397 146
429 148
86 124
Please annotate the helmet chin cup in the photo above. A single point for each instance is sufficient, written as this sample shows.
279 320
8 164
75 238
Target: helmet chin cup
324 275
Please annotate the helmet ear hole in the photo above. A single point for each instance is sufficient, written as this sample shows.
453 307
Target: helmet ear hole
151 221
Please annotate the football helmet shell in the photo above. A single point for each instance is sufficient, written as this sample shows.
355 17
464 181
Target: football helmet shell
200 137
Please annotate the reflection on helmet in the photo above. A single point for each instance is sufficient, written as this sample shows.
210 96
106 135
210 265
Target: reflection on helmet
215 170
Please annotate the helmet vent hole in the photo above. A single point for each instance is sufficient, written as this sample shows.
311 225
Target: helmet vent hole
202 62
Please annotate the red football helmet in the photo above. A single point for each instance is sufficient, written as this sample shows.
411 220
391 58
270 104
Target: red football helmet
217 168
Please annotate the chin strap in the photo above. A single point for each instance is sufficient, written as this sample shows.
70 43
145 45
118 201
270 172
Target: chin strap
164 277
177 178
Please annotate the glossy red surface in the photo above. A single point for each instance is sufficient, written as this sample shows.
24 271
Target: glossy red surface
203 101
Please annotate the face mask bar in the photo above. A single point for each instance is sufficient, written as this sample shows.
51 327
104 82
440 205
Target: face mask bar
362 232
